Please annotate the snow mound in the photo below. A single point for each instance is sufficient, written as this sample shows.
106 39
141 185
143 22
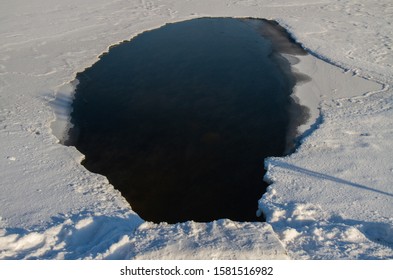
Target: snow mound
79 237
90 236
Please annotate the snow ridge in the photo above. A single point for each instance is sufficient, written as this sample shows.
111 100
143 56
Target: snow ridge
125 236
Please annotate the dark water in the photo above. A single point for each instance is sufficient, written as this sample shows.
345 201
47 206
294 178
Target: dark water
181 118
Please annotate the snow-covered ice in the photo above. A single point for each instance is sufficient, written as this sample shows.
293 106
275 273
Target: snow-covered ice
331 199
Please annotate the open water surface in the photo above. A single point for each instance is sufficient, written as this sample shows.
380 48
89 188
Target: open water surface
181 118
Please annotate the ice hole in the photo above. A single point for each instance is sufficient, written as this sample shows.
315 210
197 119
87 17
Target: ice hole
181 118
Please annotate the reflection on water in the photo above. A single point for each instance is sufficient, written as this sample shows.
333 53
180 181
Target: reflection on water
181 118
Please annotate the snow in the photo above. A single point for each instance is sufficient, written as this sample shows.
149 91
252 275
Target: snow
331 199
328 86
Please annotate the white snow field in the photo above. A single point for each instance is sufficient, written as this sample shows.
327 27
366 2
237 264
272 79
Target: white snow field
331 199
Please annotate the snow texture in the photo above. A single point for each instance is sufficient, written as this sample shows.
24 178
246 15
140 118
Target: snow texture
331 199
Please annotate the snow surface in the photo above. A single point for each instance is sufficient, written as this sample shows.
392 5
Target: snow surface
332 199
